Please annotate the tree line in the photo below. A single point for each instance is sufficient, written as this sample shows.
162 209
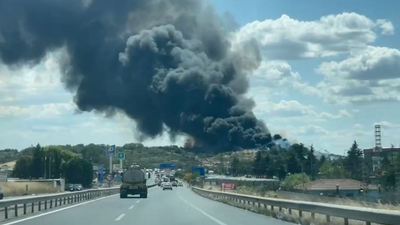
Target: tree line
298 158
53 162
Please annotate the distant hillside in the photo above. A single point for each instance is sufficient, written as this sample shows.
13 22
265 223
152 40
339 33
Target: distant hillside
149 157
8 155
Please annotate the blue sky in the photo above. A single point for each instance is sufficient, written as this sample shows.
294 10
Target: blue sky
330 71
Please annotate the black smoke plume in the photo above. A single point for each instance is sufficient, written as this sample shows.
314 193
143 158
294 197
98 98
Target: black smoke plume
167 64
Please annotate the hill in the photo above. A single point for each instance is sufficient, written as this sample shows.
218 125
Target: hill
149 157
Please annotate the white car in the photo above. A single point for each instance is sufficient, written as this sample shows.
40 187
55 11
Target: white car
167 185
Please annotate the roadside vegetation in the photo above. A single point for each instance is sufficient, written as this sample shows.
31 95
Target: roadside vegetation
27 188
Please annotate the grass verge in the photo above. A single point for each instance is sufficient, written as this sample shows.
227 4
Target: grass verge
27 188
292 216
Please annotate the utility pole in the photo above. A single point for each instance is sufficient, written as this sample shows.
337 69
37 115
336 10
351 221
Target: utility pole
111 165
302 176
45 166
49 167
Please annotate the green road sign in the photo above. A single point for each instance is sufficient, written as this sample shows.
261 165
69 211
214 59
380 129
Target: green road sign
121 155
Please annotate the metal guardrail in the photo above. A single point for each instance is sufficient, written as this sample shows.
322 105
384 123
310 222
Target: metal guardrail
40 203
45 202
368 215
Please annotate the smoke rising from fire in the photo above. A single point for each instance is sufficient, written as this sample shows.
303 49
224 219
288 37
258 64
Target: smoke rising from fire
166 64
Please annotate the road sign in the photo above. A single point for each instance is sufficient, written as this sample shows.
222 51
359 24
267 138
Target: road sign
109 177
199 170
121 155
111 150
166 165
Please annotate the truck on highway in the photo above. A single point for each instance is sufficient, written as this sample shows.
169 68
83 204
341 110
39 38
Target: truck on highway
133 183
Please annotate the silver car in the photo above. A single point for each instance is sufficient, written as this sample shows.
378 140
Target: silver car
167 185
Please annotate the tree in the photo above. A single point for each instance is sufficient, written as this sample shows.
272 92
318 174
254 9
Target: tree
295 179
293 166
54 161
79 171
354 161
330 171
259 165
270 166
37 166
281 172
322 160
310 164
235 166
22 168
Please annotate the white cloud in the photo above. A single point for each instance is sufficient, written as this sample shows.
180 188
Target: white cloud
277 74
386 26
288 38
371 75
388 125
45 111
312 130
358 126
374 63
287 109
32 85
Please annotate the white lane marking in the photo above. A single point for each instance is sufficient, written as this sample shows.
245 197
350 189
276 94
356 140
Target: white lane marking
137 201
120 217
57 210
204 213
131 207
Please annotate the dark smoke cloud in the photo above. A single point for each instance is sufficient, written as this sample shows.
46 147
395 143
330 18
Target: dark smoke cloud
167 64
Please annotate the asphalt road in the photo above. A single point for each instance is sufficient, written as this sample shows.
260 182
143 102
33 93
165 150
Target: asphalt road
179 206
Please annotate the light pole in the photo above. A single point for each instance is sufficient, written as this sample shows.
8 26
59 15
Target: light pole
45 166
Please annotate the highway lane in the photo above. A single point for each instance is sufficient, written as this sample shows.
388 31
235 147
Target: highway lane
179 206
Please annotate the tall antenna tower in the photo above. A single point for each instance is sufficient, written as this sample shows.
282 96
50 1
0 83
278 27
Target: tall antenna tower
378 143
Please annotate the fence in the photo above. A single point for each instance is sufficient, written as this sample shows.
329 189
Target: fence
368 215
16 207
22 206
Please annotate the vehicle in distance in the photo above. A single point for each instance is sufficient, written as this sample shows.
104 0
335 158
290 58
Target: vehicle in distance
167 185
175 183
1 194
133 183
75 187
180 184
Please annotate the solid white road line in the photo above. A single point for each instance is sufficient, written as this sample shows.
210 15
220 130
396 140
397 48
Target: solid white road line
57 210
131 207
120 217
204 213
137 201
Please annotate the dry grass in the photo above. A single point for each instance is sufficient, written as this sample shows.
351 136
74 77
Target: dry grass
19 188
337 201
284 215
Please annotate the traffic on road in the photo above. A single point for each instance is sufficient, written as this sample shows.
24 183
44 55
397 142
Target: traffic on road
184 207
